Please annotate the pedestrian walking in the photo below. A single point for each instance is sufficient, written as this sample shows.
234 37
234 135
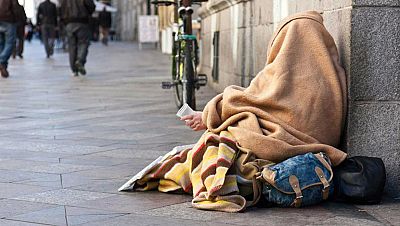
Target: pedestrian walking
8 10
105 25
75 14
47 20
30 30
20 22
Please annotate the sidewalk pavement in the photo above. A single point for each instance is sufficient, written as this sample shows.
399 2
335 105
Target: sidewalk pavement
67 144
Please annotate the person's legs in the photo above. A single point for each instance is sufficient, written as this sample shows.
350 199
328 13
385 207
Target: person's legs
105 35
14 52
51 38
20 42
83 37
2 40
45 39
9 31
72 46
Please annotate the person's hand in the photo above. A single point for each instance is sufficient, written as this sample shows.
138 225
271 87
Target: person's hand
194 121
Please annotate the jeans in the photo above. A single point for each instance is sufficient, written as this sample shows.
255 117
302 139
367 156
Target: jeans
78 43
7 41
48 37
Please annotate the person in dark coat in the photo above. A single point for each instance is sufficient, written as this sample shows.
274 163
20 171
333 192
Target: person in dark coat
75 14
105 25
8 12
47 20
20 22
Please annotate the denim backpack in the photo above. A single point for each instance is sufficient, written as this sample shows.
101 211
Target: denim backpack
298 181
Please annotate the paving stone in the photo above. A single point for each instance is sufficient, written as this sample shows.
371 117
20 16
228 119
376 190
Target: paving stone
101 185
11 207
41 167
77 179
387 213
114 172
16 223
271 216
149 221
50 147
135 153
17 176
136 202
10 190
94 160
45 180
50 216
63 197
66 215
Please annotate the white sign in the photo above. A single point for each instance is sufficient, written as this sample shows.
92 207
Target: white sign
148 29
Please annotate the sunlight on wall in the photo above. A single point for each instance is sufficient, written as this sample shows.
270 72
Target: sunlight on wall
281 10
29 7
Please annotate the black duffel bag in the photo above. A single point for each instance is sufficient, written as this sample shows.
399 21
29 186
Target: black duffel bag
359 180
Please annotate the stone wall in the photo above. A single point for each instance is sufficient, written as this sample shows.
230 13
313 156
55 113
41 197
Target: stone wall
374 85
246 26
367 34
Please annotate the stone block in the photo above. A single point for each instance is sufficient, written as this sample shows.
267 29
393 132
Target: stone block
206 25
374 130
338 24
376 2
227 79
248 15
226 52
206 50
263 12
225 19
262 37
375 54
334 4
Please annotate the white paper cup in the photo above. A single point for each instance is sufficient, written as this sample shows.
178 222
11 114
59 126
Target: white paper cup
185 110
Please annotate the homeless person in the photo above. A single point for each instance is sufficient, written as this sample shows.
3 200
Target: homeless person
295 105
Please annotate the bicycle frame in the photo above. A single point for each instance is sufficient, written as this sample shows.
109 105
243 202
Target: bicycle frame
184 55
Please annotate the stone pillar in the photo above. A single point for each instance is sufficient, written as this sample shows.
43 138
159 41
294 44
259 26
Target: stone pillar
127 16
374 85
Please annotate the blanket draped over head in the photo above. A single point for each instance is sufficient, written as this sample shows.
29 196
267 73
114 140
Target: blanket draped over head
295 105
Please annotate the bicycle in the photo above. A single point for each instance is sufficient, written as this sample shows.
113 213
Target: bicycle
185 79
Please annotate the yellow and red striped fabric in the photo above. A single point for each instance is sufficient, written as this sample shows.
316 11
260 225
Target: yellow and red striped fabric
202 171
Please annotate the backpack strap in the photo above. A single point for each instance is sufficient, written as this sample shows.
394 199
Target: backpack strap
322 178
294 182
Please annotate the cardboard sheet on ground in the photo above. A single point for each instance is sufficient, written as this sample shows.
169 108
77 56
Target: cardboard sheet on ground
129 185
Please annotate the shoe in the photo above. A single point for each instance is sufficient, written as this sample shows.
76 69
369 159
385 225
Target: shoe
3 71
20 56
80 68
75 74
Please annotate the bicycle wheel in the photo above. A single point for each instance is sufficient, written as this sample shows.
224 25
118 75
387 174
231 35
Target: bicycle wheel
177 71
188 80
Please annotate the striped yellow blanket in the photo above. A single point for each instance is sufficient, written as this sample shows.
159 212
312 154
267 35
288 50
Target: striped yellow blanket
203 171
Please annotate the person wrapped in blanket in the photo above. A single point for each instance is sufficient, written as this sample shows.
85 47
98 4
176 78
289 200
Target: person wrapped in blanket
295 105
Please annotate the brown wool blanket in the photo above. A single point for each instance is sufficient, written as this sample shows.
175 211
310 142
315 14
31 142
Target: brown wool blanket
295 105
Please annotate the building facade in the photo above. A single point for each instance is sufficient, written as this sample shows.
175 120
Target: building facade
126 20
367 34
